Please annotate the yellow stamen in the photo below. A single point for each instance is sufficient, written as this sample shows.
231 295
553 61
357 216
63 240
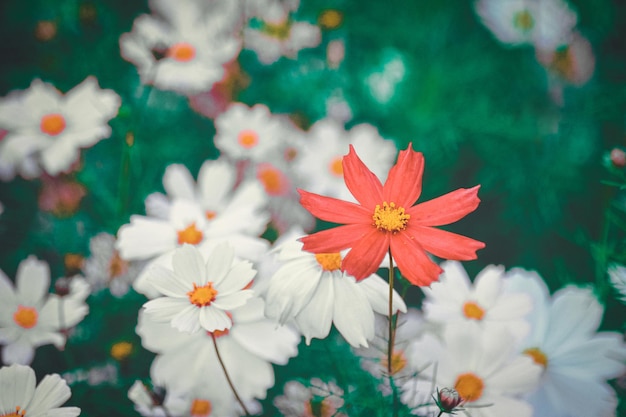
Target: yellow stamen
473 311
19 412
202 296
248 138
523 20
469 386
200 408
538 356
329 261
279 31
330 19
190 235
336 167
52 124
390 218
117 266
26 317
182 52
398 362
121 350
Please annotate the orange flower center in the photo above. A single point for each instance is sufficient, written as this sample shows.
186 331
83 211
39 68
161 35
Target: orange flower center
52 124
248 138
523 20
336 167
469 386
317 408
329 261
538 356
182 52
19 412
210 214
330 19
117 266
202 296
26 317
190 235
274 181
390 218
473 311
398 362
121 350
200 408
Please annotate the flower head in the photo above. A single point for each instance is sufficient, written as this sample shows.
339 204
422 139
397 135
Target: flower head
386 219
319 399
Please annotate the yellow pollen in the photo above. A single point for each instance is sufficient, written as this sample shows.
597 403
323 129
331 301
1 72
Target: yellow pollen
202 296
272 179
182 52
200 408
398 362
19 412
538 356
329 261
469 386
390 218
210 214
336 167
52 124
25 317
473 311
121 350
248 138
190 235
277 30
117 266
523 20
330 19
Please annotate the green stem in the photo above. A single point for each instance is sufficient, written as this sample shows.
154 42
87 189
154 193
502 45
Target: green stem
391 318
230 383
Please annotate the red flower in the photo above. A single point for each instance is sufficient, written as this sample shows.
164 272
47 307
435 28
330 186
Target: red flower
387 219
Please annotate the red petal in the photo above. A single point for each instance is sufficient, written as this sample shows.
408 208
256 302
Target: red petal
366 255
413 262
404 183
361 182
334 210
445 244
445 209
335 239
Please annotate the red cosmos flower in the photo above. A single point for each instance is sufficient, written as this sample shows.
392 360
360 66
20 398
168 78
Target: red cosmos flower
387 219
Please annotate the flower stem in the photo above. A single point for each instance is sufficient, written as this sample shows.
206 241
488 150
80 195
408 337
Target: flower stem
230 383
392 321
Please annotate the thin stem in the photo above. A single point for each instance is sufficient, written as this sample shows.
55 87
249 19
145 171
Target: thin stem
230 383
392 321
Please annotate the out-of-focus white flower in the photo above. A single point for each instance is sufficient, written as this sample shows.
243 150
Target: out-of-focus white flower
46 129
311 290
248 349
319 164
184 46
617 275
546 24
576 360
106 269
21 396
454 301
30 317
198 293
482 365
146 401
573 63
316 399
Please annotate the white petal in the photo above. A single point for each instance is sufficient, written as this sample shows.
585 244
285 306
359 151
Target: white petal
237 278
165 308
216 180
19 352
188 319
51 392
377 291
212 319
178 182
487 285
33 281
157 205
267 341
232 300
315 318
145 238
188 265
17 385
167 282
219 262
352 313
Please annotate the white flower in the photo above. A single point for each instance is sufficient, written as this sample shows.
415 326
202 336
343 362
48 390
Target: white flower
320 162
248 348
21 396
46 129
271 41
106 269
546 24
316 399
185 46
576 360
311 290
30 317
617 275
454 301
198 294
481 365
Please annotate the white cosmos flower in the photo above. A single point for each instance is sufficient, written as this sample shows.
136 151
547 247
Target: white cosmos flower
575 358
30 317
617 276
46 129
271 41
248 349
21 396
482 365
199 293
312 291
454 301
317 398
320 162
184 46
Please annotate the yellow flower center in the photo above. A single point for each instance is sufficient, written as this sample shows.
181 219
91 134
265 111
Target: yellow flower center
272 179
523 20
202 296
330 19
336 167
329 261
52 124
25 317
190 235
398 362
182 52
390 218
279 31
19 412
117 266
469 386
121 350
473 311
200 408
538 356
248 138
